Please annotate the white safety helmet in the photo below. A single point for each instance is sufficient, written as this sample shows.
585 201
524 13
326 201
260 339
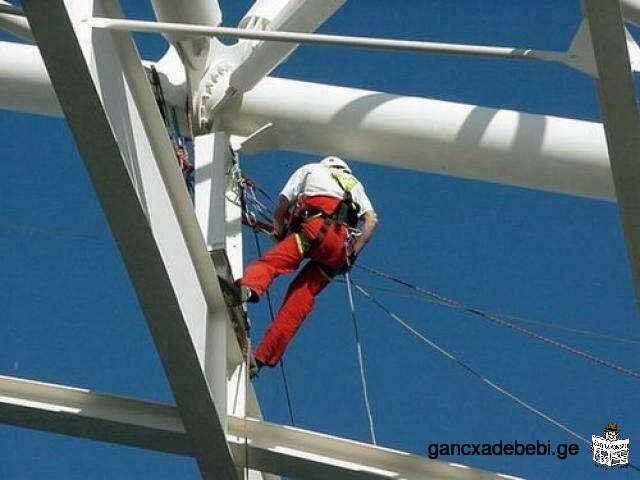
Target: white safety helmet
335 162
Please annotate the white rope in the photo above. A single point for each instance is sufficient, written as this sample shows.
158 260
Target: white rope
363 377
471 370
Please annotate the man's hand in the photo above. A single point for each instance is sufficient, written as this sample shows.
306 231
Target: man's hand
279 214
370 221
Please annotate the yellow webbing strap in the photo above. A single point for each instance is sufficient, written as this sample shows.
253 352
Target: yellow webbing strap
299 245
346 181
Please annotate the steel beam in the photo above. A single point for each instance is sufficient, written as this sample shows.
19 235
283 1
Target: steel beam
631 10
503 146
74 86
495 145
619 107
212 167
24 82
217 197
8 9
81 413
194 51
272 448
301 16
304 454
13 21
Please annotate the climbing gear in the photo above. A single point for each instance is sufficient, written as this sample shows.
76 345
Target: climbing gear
346 213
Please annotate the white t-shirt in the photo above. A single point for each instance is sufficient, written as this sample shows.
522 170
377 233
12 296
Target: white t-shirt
315 179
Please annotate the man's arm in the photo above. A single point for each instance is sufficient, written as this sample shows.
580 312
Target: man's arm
279 216
370 222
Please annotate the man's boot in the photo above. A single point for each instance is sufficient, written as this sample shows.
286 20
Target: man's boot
236 295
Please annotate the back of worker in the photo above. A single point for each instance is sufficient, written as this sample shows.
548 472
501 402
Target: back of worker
318 180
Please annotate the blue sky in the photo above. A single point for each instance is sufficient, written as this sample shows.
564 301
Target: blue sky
70 315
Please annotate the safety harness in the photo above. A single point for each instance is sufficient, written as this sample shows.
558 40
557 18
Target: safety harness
346 213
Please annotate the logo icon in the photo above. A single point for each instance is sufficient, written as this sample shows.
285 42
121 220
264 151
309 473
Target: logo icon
608 450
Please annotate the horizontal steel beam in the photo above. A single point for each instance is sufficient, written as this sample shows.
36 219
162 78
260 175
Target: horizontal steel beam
631 10
542 152
329 40
9 9
24 81
81 413
14 24
273 448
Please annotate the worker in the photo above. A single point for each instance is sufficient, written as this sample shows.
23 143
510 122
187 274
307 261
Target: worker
317 217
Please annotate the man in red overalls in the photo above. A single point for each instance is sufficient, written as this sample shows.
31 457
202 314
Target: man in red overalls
325 203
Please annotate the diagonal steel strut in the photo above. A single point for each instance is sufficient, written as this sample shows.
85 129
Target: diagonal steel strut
619 106
74 86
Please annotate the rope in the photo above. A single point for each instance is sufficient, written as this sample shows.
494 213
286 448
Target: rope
588 333
501 390
527 406
252 183
468 368
580 331
427 295
282 365
495 319
247 380
363 378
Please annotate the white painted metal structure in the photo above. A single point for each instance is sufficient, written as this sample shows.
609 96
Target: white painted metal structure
172 254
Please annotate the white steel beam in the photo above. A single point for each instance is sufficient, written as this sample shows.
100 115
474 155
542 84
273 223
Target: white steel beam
81 413
502 146
199 12
7 8
273 448
304 454
194 51
24 81
14 23
329 40
542 152
218 198
150 274
619 107
212 200
631 10
207 334
294 16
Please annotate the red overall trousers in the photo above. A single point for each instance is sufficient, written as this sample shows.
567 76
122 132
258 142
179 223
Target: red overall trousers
286 257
